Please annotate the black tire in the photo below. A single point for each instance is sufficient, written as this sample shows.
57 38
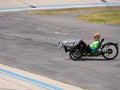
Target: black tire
76 53
110 51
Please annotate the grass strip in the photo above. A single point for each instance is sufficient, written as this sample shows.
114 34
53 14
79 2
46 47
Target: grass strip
107 15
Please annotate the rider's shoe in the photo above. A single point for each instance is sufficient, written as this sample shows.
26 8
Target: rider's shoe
65 49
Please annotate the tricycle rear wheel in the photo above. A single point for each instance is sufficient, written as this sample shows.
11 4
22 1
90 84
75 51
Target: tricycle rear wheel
110 51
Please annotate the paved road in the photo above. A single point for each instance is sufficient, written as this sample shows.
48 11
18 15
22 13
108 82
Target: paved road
8 5
29 42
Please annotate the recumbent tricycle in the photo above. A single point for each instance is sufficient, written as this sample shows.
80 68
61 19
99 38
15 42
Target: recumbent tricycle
108 50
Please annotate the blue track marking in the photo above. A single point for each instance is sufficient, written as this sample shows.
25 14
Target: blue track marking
15 8
79 5
64 5
43 84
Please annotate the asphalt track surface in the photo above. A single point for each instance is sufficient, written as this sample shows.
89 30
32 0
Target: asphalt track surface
29 42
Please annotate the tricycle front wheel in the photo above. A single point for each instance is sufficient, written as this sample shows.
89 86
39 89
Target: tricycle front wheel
76 53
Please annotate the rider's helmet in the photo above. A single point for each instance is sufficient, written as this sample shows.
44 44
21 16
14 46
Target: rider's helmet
96 35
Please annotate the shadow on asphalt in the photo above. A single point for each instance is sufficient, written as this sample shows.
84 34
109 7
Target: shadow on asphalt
93 59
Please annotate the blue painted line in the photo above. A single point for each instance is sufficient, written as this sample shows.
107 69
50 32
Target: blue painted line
43 84
15 8
78 5
63 5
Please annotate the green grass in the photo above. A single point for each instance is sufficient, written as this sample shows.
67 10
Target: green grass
107 15
57 11
62 11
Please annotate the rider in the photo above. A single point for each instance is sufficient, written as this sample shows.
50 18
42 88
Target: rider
93 46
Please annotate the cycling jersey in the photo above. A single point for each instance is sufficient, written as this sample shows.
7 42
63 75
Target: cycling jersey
94 45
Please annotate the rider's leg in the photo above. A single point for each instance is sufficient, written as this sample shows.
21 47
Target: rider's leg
85 46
